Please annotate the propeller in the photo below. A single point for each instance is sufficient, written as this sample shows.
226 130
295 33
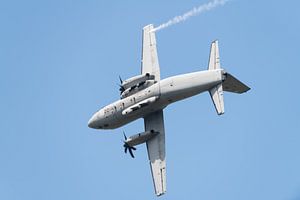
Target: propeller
122 89
127 147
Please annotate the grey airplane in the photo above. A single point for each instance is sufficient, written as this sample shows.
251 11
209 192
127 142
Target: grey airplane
146 95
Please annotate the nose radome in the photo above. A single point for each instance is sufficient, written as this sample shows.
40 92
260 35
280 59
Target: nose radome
92 121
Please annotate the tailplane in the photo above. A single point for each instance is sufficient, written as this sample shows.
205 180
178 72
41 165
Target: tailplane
229 84
214 56
216 92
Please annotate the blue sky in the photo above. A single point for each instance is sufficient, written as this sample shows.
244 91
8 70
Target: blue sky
60 62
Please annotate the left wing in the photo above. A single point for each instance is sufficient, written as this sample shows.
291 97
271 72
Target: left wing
156 150
149 55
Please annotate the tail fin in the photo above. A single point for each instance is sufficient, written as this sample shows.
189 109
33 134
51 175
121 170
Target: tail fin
231 84
216 92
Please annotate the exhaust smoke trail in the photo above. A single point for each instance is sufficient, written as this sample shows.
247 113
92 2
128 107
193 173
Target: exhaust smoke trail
195 11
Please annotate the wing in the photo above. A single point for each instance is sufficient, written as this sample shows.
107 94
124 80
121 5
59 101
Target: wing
156 150
149 55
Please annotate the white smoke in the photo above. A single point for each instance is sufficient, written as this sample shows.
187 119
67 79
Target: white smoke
195 11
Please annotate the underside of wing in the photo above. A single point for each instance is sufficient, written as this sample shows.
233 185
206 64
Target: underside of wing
149 55
156 150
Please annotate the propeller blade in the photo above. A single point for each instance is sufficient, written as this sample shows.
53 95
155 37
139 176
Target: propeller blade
127 147
121 81
124 135
131 153
122 89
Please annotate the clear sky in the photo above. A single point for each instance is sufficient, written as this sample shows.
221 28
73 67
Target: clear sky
60 61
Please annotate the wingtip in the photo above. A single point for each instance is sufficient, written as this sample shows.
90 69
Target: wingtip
150 26
215 41
160 194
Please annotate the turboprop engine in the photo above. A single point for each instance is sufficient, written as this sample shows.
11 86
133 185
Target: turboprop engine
136 80
136 140
138 87
134 84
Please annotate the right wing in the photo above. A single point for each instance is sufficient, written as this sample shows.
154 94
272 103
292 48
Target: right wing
156 150
149 55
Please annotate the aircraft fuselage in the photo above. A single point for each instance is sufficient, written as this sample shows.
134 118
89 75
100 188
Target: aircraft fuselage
156 97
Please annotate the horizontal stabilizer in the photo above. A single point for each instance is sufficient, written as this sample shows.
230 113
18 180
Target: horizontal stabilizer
214 56
216 94
231 84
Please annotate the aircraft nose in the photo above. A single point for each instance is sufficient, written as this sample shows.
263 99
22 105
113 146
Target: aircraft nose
92 121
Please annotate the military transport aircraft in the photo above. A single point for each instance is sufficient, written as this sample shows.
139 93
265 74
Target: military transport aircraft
145 96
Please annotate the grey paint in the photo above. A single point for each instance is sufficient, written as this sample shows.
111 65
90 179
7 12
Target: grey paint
149 100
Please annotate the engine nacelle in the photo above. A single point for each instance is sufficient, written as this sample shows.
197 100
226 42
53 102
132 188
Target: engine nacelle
134 81
140 138
135 88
